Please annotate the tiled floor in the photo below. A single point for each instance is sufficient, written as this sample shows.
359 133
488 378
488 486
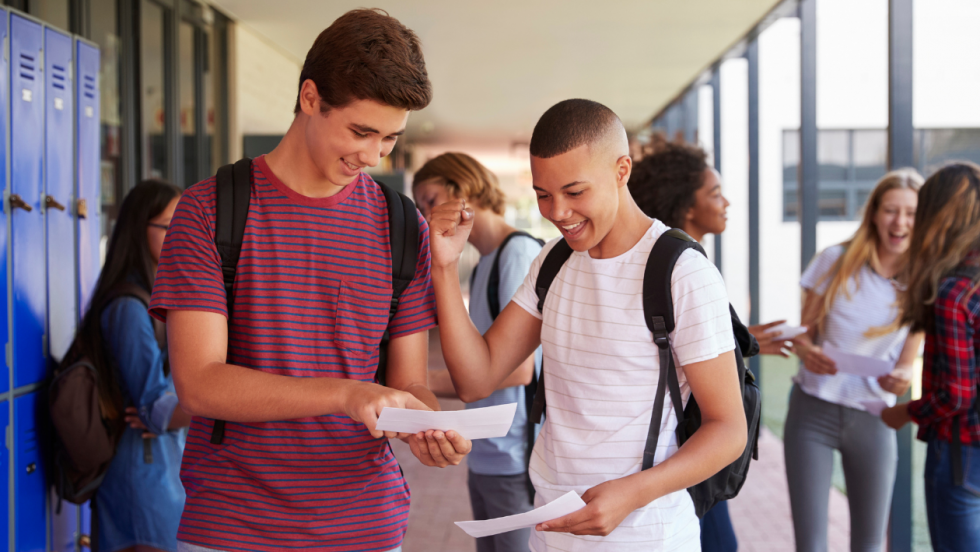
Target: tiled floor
760 514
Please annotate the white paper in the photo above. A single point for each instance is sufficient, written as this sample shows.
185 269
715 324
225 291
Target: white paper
787 332
857 364
874 407
475 423
562 506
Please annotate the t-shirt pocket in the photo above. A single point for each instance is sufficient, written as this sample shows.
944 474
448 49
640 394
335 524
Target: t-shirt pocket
362 316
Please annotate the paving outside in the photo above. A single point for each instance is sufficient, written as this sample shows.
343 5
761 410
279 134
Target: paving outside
760 514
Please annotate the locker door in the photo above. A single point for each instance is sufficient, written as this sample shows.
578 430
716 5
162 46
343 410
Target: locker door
30 504
27 218
4 327
5 472
59 183
88 162
88 190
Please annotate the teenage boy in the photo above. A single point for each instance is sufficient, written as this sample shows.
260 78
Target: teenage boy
600 361
301 465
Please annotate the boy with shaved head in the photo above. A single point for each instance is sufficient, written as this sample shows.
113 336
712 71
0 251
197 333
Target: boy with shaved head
601 365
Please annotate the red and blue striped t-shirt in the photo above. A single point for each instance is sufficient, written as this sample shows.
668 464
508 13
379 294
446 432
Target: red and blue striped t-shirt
312 298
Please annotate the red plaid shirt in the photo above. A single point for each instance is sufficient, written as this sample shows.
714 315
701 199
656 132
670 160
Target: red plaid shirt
949 374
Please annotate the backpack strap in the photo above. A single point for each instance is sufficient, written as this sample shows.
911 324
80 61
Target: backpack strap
403 238
658 312
493 284
550 268
233 190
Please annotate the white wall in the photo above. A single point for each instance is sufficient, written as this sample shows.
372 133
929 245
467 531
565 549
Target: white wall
735 181
264 82
946 64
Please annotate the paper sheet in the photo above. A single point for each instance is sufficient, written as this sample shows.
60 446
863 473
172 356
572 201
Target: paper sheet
562 506
787 332
475 423
874 407
856 364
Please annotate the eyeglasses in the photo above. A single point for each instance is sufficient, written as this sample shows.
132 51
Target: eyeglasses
156 225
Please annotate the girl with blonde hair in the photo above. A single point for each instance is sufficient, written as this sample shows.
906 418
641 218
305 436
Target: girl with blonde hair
944 301
850 300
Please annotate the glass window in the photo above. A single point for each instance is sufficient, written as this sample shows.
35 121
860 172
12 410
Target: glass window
870 154
153 92
105 33
833 154
833 204
188 109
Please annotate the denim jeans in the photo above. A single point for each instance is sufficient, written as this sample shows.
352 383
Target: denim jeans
717 533
954 511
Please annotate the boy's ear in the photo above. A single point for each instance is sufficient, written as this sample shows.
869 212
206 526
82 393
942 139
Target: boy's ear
624 167
309 98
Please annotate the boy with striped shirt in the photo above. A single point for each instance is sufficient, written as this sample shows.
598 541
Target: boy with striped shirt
600 363
301 465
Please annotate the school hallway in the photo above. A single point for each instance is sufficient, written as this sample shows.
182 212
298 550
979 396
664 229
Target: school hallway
760 514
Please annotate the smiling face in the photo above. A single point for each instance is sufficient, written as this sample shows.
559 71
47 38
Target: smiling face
344 140
579 192
894 219
708 214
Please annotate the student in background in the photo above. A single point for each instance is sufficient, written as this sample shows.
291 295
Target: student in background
674 184
944 301
138 504
850 295
602 366
498 478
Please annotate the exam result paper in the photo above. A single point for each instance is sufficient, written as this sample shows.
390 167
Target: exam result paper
857 364
561 506
474 423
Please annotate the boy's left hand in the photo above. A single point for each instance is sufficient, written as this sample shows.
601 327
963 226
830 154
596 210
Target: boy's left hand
606 506
435 448
896 416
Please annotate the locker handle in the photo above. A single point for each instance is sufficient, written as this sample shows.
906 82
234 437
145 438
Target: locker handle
52 203
17 203
81 207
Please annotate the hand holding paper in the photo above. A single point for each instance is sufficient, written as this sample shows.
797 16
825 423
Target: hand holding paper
786 332
857 364
562 506
475 423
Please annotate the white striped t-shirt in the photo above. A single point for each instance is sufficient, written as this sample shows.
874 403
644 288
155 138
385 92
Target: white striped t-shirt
601 371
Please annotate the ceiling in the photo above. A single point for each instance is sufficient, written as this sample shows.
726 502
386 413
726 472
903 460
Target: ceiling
496 66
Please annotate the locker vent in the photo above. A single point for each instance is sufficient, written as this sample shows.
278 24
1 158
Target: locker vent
27 66
58 74
89 86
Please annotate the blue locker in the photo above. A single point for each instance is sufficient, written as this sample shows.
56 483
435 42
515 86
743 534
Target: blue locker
4 470
4 327
88 162
30 497
59 184
27 217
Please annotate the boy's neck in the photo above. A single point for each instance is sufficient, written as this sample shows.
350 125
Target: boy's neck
293 165
489 231
630 227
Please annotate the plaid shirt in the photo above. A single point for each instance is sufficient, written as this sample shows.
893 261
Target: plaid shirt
949 374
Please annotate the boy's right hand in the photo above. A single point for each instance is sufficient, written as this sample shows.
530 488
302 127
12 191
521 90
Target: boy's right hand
365 401
449 226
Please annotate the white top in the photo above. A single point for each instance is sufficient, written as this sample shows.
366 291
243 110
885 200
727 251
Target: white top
601 371
872 304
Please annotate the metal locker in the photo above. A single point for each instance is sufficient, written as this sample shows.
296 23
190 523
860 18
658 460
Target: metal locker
30 504
5 464
27 216
4 326
88 163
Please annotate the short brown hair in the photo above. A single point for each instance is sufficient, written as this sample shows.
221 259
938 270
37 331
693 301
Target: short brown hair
466 178
367 55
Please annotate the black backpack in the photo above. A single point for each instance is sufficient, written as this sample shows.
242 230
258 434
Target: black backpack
658 311
530 390
233 185
973 273
84 441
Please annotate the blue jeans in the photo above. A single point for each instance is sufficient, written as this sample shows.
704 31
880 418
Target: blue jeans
717 534
954 511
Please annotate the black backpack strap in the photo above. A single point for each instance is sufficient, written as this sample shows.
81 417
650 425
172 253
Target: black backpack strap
233 191
658 312
493 284
546 275
403 237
